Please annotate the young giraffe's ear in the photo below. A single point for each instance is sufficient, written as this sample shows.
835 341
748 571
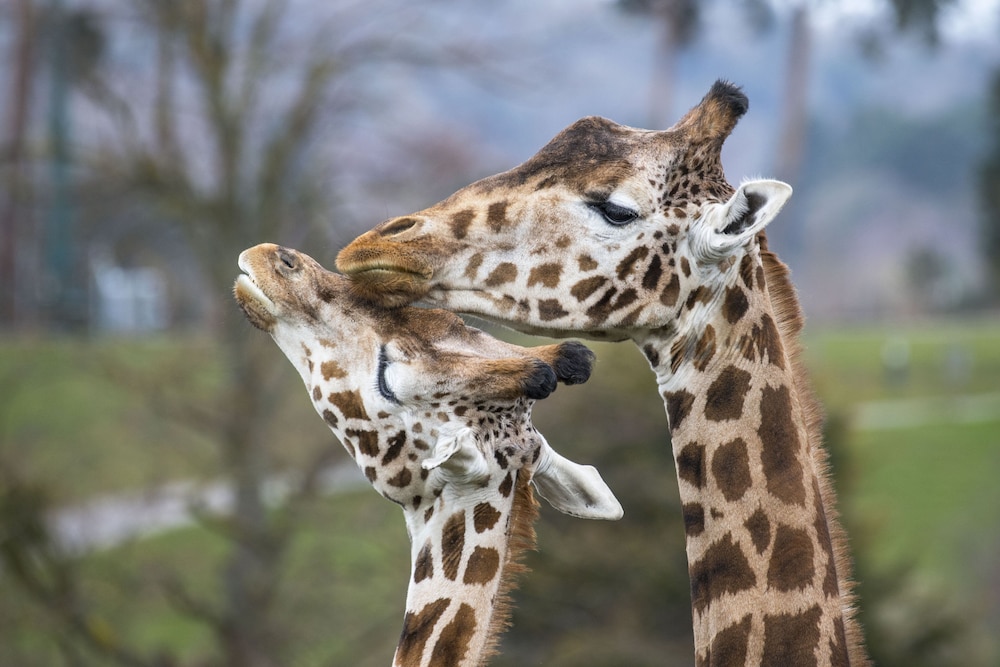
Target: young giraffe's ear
574 489
457 453
731 225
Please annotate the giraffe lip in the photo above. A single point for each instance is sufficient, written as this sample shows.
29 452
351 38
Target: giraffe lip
383 268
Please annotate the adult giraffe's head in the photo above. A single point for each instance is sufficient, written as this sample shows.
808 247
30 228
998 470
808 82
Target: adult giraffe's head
605 231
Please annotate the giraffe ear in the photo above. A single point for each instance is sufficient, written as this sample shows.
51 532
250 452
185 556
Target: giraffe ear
731 225
574 489
458 454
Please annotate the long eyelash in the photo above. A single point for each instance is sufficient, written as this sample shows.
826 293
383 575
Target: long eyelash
383 386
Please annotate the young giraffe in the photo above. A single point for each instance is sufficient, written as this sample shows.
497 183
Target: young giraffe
618 233
437 415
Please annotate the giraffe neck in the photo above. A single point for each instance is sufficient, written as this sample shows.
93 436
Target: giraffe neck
465 554
767 584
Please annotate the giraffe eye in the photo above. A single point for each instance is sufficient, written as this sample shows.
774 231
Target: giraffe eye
615 214
383 386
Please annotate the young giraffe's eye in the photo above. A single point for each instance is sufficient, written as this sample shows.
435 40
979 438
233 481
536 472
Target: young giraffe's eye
615 214
383 386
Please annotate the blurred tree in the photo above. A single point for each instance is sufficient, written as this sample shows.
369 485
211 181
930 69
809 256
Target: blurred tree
989 192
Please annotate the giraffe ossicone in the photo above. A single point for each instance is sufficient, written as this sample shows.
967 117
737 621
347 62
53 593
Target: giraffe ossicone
617 233
437 416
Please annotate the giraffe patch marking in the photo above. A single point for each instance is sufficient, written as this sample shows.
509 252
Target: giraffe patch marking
626 266
453 544
460 222
729 646
550 309
423 568
731 468
586 263
777 432
331 369
350 404
691 464
504 273
725 396
453 642
791 566
694 519
484 517
705 348
583 289
401 479
668 297
651 278
678 406
506 486
791 639
484 563
838 645
545 274
722 569
417 629
330 418
396 443
317 394
472 268
735 304
759 527
496 216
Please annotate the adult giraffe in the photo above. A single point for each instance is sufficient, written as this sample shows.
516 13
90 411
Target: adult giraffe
616 233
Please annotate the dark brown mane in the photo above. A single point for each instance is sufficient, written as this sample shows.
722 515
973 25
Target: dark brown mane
521 538
790 320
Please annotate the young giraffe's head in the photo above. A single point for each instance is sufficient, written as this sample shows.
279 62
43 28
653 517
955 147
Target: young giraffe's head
605 231
437 415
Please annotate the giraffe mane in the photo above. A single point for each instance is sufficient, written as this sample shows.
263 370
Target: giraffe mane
521 539
790 321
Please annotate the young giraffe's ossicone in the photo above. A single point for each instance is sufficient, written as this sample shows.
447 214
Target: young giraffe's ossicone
437 416
617 233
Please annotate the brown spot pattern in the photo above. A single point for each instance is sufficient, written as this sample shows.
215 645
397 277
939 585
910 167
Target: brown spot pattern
691 464
731 468
781 446
651 278
504 273
759 527
484 517
453 642
725 396
586 263
583 289
460 222
317 393
506 486
705 348
330 418
678 406
484 563
838 645
496 216
452 544
729 646
395 447
401 479
735 304
546 274
473 266
417 629
423 568
694 519
550 309
331 369
791 566
349 403
830 585
367 441
792 639
626 266
668 297
722 569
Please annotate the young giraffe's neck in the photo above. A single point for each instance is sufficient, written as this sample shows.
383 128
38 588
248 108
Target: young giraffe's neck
466 551
769 581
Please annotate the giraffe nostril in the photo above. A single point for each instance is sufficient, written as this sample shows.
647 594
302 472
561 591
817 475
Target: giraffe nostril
287 258
397 226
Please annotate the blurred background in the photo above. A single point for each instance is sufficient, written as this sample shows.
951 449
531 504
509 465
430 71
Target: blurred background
167 495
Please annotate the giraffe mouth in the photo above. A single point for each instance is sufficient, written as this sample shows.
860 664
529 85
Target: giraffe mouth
389 284
258 308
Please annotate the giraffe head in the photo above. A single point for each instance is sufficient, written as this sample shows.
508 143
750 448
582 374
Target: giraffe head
420 400
605 231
